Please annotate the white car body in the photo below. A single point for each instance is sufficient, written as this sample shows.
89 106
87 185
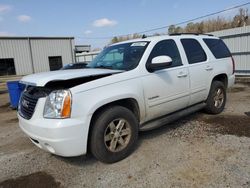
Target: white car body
186 85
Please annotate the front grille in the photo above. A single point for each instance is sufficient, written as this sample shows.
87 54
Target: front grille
29 100
27 105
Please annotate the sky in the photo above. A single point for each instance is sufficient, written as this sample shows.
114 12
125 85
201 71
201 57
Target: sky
94 21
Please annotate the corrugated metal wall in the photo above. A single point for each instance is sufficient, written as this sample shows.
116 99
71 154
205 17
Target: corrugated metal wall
86 56
17 49
41 49
238 41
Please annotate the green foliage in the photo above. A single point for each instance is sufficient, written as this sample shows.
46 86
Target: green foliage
124 38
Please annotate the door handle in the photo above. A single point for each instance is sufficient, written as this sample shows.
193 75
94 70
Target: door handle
208 68
181 75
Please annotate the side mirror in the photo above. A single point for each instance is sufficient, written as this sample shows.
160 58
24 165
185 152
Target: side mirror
160 62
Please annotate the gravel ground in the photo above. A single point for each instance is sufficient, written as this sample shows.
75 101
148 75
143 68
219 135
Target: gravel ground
198 151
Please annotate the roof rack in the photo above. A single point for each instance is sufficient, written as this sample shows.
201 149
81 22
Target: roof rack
176 34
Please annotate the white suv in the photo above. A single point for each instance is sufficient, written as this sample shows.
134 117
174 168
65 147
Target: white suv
130 86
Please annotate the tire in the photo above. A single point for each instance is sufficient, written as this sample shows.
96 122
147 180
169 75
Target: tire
109 141
216 100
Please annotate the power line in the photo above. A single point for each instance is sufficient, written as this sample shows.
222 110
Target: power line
167 26
194 19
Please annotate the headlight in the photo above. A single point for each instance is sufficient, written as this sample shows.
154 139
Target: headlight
58 104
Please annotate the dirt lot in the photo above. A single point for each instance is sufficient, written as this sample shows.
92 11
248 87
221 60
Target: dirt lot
198 151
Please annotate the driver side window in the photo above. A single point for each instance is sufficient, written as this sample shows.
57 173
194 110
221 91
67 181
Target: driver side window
169 48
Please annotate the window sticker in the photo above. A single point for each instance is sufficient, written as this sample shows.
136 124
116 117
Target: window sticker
139 44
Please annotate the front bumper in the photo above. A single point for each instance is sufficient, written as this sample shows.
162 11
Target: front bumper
63 137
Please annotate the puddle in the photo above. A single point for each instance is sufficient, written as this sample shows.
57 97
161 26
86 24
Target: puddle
233 125
37 180
236 89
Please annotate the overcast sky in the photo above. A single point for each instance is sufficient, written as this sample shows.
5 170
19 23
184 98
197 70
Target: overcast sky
99 18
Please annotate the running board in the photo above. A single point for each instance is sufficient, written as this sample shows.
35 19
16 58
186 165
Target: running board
171 117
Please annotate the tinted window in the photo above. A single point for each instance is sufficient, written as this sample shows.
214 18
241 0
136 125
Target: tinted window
218 48
169 48
194 51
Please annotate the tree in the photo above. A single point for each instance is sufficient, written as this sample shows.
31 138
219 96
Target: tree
125 37
171 29
200 27
190 28
114 40
241 19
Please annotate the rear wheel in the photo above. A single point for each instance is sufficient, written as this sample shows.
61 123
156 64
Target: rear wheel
114 134
216 99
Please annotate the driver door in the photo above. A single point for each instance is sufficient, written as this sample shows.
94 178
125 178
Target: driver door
166 90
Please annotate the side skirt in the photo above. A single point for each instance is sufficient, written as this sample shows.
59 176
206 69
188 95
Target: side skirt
170 117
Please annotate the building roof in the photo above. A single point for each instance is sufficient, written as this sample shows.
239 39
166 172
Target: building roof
33 37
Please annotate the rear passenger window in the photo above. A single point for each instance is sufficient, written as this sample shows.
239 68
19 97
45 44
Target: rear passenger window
194 51
218 48
169 48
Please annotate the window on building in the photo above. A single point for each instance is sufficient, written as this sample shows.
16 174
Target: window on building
55 62
168 48
218 48
194 51
7 67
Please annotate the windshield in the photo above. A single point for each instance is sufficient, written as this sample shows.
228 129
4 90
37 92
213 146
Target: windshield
120 57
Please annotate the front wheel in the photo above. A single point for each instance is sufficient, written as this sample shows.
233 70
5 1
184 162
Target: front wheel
114 134
216 99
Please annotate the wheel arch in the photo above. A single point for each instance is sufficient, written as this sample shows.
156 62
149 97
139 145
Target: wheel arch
222 78
129 103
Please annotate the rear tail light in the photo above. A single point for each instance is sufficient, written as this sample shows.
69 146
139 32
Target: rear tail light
233 63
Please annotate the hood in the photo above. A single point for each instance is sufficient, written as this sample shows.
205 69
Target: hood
41 79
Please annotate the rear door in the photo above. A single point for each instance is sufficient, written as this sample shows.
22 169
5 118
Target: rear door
166 90
200 69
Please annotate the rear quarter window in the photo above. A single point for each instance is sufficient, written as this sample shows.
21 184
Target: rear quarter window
218 48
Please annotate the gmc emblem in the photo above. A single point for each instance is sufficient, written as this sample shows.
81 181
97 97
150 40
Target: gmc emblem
25 103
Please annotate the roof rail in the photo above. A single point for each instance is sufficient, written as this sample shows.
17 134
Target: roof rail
176 34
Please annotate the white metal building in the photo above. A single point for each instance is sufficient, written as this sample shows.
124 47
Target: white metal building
238 41
86 56
26 55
